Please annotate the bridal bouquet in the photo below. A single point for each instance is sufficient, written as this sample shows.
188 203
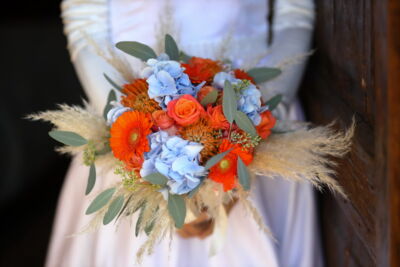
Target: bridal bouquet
186 137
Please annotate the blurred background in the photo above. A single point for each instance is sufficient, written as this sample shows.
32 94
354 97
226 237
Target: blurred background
36 73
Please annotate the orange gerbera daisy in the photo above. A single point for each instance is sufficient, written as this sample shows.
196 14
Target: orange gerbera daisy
241 74
128 139
225 171
137 98
201 69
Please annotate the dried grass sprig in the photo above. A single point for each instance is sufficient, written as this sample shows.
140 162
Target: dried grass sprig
82 121
304 155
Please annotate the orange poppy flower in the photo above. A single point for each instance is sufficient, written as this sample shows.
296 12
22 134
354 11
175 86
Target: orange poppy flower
267 123
128 139
241 74
225 171
201 69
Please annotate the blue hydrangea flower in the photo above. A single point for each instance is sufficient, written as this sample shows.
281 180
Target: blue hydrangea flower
175 158
167 81
249 98
250 103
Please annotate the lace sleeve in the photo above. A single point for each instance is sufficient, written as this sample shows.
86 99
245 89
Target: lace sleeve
292 30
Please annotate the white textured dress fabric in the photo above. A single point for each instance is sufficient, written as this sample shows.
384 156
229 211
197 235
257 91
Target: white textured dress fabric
287 208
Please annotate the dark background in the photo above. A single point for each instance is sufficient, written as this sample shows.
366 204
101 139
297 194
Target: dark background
36 74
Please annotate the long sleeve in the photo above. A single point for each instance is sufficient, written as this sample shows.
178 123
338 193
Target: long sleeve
292 30
86 22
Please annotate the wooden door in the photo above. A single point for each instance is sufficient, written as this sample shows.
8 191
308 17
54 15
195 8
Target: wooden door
356 71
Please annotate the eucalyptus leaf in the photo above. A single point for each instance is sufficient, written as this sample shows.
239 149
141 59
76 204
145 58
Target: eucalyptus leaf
113 210
215 159
139 205
68 138
274 102
111 97
156 178
100 201
244 123
149 227
114 84
263 74
92 179
184 57
124 207
137 49
229 102
243 173
177 209
210 98
139 220
171 48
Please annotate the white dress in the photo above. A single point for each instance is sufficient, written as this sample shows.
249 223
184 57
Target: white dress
287 208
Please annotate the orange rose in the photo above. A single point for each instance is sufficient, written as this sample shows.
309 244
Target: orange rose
185 110
202 69
204 91
241 74
267 123
217 118
161 119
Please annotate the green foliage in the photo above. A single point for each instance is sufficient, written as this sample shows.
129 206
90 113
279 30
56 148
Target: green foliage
210 98
215 159
113 210
68 138
184 57
246 140
124 207
139 220
244 123
264 74
136 49
156 178
177 209
171 48
114 84
100 201
241 85
92 179
111 97
229 102
274 102
243 174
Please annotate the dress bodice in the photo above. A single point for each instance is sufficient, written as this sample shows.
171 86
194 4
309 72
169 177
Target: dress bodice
200 26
